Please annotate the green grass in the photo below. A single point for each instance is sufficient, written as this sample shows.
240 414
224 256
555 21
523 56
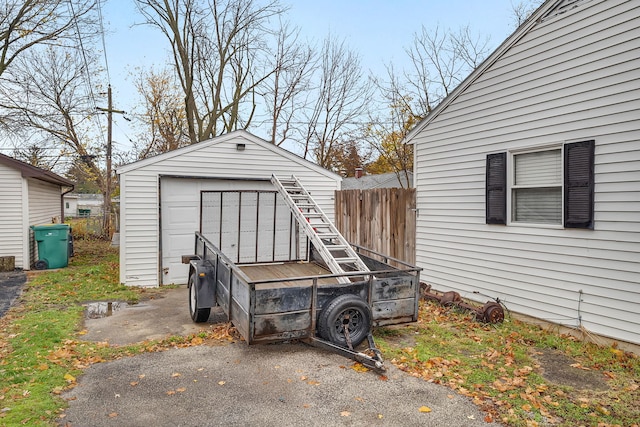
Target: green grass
41 353
496 367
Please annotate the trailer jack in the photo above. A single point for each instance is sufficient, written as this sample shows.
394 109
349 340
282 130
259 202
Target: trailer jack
490 312
374 362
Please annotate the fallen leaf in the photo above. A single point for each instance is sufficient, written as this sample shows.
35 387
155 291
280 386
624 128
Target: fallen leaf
141 376
175 374
222 382
181 390
113 415
312 382
380 416
526 407
70 378
359 367
133 383
170 392
345 414
424 409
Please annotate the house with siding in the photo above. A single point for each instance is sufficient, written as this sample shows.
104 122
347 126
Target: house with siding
165 199
528 174
28 196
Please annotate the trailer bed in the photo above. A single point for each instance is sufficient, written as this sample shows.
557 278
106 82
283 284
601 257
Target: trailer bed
286 271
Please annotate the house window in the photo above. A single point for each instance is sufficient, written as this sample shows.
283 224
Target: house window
536 193
66 205
553 186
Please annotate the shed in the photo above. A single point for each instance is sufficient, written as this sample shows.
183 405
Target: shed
528 174
28 196
163 199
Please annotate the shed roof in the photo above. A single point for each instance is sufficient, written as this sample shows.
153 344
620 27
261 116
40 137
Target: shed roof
29 171
243 134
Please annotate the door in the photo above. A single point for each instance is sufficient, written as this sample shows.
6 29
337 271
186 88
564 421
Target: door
180 218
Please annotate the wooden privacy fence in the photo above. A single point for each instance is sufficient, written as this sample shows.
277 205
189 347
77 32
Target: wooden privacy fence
382 219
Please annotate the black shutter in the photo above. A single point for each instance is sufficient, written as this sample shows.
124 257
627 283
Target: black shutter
578 184
496 190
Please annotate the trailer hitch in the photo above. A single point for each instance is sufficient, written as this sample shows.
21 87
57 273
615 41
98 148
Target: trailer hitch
490 312
375 362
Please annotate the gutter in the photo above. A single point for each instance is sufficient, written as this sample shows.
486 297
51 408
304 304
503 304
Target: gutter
62 202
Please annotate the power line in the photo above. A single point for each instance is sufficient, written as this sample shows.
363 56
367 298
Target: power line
86 63
104 44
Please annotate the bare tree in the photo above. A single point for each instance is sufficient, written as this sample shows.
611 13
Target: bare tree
44 93
522 10
286 89
440 61
340 103
164 118
219 52
25 24
385 133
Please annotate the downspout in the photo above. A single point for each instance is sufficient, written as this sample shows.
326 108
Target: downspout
62 203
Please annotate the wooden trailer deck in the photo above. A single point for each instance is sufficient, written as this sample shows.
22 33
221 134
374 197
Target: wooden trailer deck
286 270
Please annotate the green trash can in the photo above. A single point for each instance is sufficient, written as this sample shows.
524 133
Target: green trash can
53 245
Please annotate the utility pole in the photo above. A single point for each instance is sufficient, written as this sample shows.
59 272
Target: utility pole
108 189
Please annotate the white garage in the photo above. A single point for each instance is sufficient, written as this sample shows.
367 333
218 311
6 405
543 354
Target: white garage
165 199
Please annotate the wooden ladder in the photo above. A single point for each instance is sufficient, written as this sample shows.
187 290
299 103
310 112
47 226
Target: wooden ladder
334 249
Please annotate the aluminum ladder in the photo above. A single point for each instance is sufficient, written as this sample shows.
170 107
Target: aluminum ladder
334 249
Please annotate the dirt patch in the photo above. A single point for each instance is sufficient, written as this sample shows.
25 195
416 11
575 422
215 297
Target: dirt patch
557 368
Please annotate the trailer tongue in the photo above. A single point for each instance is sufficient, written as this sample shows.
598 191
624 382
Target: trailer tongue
326 292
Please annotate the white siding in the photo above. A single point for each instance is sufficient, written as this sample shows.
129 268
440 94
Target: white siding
11 219
140 228
44 202
574 77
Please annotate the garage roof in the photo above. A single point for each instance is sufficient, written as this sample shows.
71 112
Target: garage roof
243 134
29 171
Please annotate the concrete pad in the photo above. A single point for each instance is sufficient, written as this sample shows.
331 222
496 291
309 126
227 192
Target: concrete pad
158 318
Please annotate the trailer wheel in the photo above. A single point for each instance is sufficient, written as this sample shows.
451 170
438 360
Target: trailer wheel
198 315
345 311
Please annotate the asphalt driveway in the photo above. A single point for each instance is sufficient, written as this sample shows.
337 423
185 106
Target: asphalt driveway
10 288
238 385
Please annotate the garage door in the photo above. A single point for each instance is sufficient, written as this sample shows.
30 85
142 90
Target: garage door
180 218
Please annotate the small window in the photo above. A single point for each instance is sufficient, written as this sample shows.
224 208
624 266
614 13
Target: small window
66 205
536 193
552 186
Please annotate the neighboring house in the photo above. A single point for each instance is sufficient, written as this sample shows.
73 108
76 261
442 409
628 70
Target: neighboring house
528 174
161 198
383 180
70 205
28 196
83 205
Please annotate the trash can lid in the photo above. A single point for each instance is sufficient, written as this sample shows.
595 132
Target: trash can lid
50 226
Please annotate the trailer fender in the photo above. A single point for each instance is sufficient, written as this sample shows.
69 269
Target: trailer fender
202 275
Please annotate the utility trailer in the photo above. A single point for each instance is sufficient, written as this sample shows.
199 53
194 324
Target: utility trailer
321 290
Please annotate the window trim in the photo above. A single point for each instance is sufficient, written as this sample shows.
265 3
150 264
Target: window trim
511 170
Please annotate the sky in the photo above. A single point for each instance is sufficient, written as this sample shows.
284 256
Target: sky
378 30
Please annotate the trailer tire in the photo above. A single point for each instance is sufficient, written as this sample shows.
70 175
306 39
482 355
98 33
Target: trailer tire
198 315
345 310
